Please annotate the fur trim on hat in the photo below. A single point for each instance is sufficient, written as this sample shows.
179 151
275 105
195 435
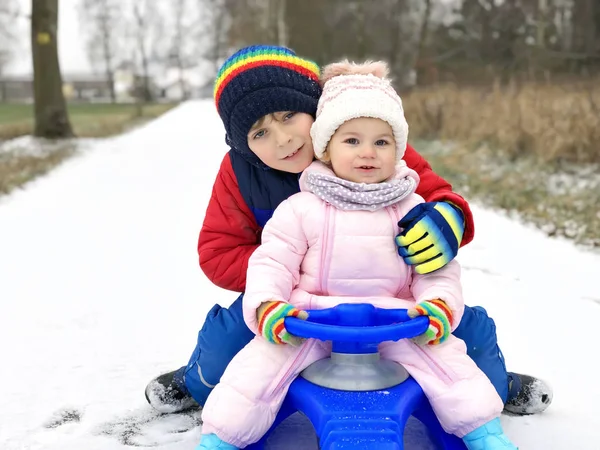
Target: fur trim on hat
377 68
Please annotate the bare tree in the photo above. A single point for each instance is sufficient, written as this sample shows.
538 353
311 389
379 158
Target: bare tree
5 58
193 39
459 40
585 16
263 21
311 27
277 21
101 20
409 35
150 47
177 50
424 29
9 11
51 116
212 31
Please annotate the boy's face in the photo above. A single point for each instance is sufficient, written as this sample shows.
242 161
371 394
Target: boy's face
282 141
363 150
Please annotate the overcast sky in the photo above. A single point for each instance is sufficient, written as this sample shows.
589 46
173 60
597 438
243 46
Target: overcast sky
71 46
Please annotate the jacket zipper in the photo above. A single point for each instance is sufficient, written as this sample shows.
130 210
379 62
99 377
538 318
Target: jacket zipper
298 360
325 250
441 372
395 219
324 260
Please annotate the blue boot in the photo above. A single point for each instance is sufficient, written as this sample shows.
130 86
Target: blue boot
488 437
212 442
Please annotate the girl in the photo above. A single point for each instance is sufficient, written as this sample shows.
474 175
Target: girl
332 243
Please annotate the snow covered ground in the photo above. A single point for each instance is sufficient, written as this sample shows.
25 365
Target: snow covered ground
100 291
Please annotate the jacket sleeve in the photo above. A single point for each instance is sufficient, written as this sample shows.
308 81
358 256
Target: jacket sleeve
229 234
274 268
444 284
434 188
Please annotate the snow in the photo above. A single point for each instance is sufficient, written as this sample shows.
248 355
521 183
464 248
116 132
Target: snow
100 291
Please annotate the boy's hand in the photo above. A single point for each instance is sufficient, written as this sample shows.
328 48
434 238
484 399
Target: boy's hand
440 321
431 235
271 325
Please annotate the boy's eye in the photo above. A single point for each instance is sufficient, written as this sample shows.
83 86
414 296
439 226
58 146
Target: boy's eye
351 141
289 115
259 134
381 142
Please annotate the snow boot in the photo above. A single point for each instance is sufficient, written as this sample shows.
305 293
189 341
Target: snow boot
527 395
212 442
167 393
488 437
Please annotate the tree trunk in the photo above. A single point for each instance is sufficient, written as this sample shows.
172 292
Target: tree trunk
179 40
51 117
146 95
282 38
307 33
593 32
542 23
220 35
110 79
109 71
420 57
583 25
146 74
395 36
107 50
361 44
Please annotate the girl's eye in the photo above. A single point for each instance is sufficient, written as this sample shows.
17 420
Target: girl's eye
381 142
289 115
351 141
259 134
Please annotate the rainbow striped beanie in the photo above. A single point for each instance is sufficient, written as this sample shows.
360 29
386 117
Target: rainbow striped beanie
259 80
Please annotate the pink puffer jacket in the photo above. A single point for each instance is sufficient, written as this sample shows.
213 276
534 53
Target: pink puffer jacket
315 256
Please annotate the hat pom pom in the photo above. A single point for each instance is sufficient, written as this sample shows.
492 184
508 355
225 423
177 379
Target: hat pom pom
345 67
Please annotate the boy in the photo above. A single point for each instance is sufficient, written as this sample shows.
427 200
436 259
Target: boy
267 98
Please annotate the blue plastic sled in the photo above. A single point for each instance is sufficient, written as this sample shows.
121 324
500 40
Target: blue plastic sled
355 400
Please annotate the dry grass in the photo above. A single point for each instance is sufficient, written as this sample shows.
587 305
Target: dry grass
556 123
561 202
88 120
16 169
532 150
16 129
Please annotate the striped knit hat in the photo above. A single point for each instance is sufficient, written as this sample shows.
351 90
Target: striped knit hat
260 80
354 90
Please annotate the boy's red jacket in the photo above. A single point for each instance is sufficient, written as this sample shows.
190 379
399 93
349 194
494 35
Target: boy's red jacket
230 232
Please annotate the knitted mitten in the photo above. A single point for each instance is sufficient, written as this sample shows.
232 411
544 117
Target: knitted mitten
440 321
271 324
431 235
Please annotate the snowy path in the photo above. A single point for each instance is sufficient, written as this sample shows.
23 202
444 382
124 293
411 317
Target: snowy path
100 291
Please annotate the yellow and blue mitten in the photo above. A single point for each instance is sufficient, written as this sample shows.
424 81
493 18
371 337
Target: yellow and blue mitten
440 321
431 235
271 325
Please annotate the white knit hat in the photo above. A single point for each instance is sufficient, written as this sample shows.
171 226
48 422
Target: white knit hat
357 90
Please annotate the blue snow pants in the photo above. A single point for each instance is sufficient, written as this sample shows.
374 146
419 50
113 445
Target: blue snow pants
225 333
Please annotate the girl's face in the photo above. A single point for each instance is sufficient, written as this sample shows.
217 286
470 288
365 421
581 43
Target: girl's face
282 141
363 150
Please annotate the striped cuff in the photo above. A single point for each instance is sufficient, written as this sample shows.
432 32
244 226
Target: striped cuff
271 318
440 320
